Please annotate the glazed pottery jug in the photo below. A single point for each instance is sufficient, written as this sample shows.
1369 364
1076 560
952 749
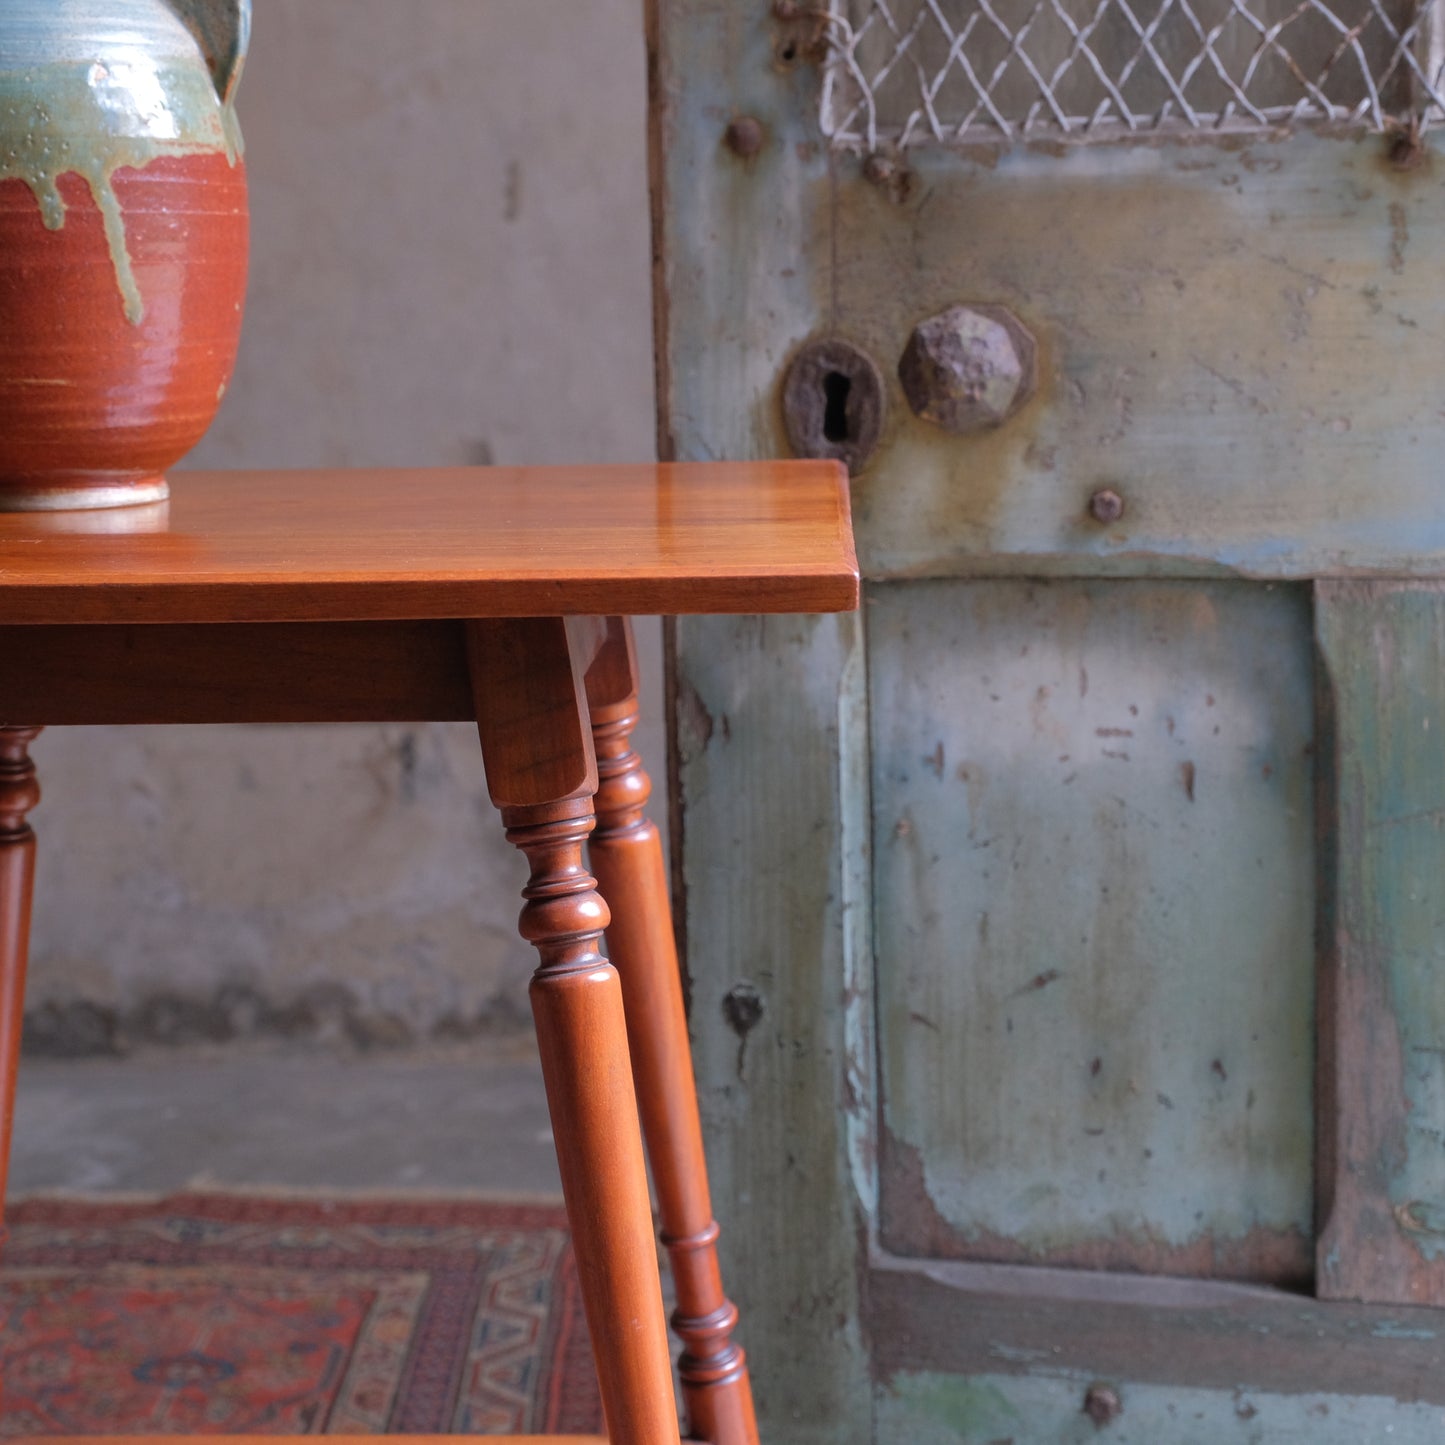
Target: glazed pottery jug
123 241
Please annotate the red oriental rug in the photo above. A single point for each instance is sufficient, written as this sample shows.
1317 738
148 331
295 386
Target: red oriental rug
213 1313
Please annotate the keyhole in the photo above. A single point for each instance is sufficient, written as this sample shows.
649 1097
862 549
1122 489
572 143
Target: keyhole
832 401
836 388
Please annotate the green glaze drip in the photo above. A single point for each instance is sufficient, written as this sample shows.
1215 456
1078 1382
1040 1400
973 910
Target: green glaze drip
106 199
93 119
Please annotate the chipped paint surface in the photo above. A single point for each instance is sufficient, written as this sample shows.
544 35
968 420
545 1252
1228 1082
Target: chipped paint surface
1093 828
1383 651
1232 339
1046 1409
769 902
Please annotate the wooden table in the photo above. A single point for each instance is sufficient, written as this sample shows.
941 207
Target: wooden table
500 595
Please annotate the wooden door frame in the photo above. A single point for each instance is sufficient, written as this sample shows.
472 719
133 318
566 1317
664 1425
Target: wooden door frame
770 755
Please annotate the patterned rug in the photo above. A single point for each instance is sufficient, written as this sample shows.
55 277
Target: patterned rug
214 1313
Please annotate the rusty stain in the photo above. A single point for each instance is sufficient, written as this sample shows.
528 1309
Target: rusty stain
1253 163
744 136
914 1226
802 34
1406 150
1187 775
1113 732
902 828
1037 982
1399 236
1408 1217
1045 458
1106 506
1094 1068
890 175
1217 1067
935 760
695 721
1102 1404
923 1019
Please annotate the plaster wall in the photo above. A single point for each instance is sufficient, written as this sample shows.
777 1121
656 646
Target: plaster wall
450 265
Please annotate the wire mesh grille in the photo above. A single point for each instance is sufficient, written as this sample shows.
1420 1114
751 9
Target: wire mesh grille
905 72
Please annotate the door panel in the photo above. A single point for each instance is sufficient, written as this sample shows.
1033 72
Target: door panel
1236 321
1382 1157
1093 828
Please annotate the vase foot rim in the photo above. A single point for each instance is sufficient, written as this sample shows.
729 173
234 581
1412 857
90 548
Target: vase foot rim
84 496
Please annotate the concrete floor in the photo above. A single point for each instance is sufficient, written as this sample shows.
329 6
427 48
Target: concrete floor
469 1119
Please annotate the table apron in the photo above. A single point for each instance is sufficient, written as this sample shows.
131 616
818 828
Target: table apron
273 672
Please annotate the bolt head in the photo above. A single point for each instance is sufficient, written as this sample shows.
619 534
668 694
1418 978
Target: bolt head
1102 1405
1106 506
744 136
969 368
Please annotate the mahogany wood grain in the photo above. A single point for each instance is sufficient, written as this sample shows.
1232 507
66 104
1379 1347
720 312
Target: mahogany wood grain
537 748
531 708
626 855
275 672
465 542
19 793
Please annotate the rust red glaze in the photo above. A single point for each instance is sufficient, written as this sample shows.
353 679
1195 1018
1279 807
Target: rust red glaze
86 397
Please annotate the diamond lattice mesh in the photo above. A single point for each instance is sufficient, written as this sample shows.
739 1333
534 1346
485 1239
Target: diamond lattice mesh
905 72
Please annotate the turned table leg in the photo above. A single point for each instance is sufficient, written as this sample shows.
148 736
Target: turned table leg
626 855
19 793
541 773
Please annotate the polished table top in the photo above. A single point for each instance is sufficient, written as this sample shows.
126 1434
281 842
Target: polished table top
318 546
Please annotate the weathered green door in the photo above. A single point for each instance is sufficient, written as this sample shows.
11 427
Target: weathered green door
1066 932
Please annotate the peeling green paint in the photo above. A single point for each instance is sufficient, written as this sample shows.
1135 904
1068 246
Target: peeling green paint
1392 1330
1068 777
1047 1409
971 1409
1383 651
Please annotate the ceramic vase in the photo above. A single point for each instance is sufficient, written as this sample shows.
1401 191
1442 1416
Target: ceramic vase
123 241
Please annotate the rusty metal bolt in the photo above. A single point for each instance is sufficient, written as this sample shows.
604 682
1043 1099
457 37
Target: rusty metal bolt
744 136
969 368
1106 506
880 169
1102 1405
889 175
